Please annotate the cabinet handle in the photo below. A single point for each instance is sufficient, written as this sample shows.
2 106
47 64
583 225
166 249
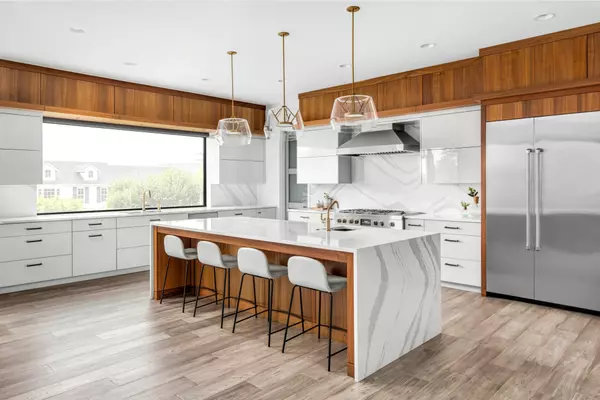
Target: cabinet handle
304 217
453 265
452 240
33 241
34 265
417 225
99 235
154 220
238 214
37 228
452 227
95 224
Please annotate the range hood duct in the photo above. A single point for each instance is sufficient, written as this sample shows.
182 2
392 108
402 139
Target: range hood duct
387 141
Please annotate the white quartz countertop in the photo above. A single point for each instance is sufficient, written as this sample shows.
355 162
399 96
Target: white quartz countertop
121 214
445 217
295 232
307 210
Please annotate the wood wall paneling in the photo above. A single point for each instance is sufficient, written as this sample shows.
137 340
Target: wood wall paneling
593 55
317 107
401 93
195 111
507 71
142 104
19 86
77 94
258 121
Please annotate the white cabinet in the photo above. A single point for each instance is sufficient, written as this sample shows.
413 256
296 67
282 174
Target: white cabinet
241 172
34 246
83 225
94 251
145 220
306 216
238 213
461 247
318 143
34 228
20 167
133 237
203 215
133 257
255 151
454 228
20 132
236 165
463 272
322 170
34 270
267 213
452 166
460 129
414 224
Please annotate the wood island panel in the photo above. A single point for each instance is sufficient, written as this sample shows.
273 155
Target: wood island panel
338 263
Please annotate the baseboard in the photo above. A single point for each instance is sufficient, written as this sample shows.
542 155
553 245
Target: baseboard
73 279
458 286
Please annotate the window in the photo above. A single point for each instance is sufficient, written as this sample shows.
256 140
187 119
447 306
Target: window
47 173
105 167
297 196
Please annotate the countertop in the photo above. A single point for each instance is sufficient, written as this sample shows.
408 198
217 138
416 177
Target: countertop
121 214
295 232
307 210
445 217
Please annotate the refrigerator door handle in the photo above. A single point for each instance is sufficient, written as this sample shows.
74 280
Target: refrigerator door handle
527 200
538 200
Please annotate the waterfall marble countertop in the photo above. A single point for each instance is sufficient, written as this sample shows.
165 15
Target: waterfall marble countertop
121 214
445 217
295 232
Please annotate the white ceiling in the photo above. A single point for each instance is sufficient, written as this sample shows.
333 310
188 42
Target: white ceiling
177 43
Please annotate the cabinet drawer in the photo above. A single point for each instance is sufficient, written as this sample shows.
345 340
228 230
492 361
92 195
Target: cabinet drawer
37 246
461 247
266 213
305 216
133 257
454 228
20 132
238 213
145 220
414 224
35 270
83 225
203 215
133 237
461 271
94 251
34 228
20 167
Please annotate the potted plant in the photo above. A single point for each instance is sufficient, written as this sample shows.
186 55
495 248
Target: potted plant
465 206
475 195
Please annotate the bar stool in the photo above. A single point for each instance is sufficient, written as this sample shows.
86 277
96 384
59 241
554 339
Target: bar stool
311 274
254 263
209 254
175 249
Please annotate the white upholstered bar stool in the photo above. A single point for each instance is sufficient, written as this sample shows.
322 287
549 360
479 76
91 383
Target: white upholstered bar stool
309 273
254 263
209 254
175 249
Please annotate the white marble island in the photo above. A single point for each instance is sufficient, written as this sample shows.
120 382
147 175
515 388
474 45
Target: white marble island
393 300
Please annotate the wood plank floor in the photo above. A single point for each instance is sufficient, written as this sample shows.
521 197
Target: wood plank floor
105 339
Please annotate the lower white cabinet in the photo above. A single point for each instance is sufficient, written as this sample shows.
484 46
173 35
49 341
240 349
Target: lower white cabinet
306 216
461 247
463 272
133 237
36 246
267 213
34 270
414 224
238 213
133 257
94 251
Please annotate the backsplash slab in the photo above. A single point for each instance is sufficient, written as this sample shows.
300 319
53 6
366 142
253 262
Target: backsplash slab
234 195
393 182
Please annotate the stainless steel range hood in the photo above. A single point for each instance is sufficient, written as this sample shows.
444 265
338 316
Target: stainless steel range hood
392 140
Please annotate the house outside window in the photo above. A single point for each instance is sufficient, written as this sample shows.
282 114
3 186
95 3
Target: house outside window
91 174
47 173
49 193
79 194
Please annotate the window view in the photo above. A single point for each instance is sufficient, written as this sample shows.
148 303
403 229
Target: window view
90 168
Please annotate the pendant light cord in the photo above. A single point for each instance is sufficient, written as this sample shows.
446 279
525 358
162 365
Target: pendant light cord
232 93
353 53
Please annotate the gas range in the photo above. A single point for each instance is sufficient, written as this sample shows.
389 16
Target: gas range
367 217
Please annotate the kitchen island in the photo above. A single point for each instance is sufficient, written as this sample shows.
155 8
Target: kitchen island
392 303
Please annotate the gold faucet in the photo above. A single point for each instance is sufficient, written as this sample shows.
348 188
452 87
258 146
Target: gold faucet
328 222
144 199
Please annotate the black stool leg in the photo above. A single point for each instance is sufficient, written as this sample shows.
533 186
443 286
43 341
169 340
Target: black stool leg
270 306
287 324
237 307
228 289
330 330
215 285
199 286
319 328
301 309
185 283
255 303
223 305
162 293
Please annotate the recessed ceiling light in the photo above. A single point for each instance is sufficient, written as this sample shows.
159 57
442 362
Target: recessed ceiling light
77 30
545 17
344 65
427 45
130 63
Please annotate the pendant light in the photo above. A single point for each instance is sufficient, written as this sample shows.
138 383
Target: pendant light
354 110
233 131
282 117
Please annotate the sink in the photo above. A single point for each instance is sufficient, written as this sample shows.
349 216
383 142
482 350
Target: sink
339 229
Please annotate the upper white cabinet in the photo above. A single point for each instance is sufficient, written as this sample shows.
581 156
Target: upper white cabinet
20 167
255 151
20 131
460 129
452 166
317 159
236 165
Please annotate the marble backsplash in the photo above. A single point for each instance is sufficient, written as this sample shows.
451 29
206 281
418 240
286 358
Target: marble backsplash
234 195
393 182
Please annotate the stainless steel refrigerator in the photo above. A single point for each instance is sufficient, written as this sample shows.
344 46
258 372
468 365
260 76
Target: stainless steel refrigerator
543 209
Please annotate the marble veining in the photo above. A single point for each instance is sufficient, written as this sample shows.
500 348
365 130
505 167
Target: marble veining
234 195
398 300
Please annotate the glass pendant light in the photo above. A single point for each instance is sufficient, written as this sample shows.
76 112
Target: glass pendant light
233 131
282 117
355 110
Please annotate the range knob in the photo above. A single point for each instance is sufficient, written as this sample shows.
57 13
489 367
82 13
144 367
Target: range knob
344 221
339 220
381 223
350 221
392 224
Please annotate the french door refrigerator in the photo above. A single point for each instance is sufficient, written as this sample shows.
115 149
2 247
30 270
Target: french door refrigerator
543 209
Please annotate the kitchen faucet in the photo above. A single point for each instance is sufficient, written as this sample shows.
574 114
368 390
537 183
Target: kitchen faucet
328 222
144 199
